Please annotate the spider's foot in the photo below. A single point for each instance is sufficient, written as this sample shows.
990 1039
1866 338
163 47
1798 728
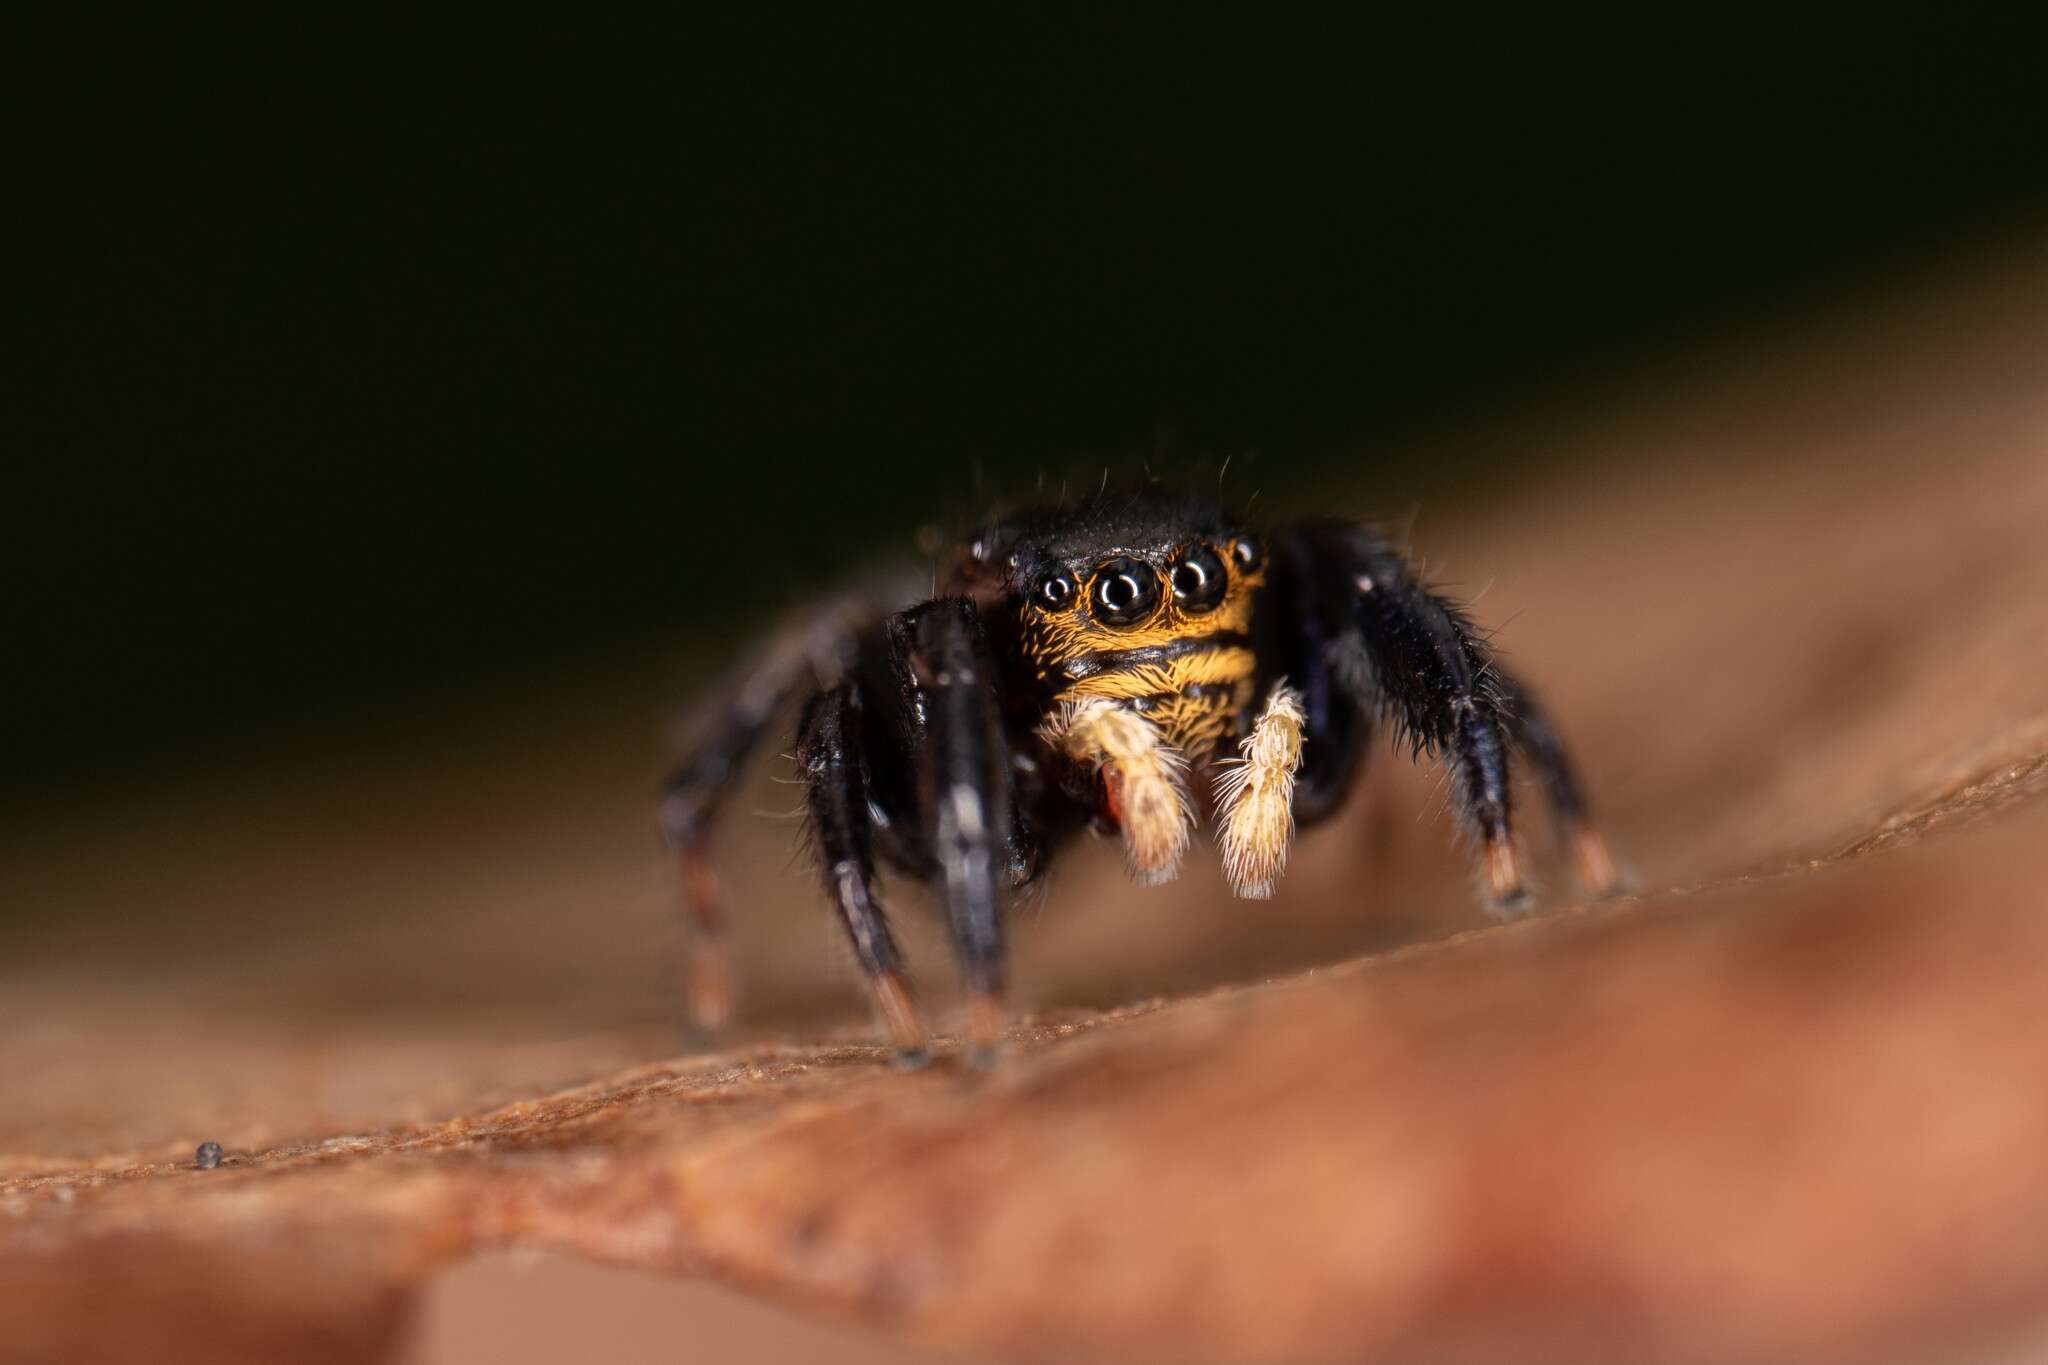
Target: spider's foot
987 1021
1597 872
708 986
910 1058
899 1017
1506 892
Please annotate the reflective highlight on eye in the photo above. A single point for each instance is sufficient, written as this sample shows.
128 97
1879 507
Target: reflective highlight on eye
1199 579
1126 591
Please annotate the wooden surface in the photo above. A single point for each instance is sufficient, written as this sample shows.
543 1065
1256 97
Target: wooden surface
1787 1103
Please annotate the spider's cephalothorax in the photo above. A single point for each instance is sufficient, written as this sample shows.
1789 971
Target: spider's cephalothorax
1120 664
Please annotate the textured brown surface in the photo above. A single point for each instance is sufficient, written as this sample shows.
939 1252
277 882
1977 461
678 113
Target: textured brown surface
1789 1103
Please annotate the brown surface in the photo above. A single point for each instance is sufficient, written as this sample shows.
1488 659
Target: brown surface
527 1308
1789 1103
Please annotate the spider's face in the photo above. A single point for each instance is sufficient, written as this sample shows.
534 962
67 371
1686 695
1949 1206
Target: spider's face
1151 612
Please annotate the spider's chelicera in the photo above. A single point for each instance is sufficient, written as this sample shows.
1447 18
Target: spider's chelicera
1120 665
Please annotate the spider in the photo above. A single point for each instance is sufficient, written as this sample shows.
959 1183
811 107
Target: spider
1108 665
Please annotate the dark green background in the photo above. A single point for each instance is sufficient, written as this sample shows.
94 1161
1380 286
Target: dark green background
350 385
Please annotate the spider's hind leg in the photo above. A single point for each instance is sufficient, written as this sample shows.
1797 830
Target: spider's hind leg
724 733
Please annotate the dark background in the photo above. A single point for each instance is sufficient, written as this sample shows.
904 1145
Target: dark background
345 386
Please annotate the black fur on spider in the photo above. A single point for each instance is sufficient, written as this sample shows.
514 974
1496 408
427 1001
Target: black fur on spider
1110 664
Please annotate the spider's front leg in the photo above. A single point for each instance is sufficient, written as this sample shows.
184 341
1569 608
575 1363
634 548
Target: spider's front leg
1416 659
1530 727
829 754
1409 655
971 821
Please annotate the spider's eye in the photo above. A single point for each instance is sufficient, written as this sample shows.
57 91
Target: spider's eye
1199 579
1056 591
1248 553
1126 591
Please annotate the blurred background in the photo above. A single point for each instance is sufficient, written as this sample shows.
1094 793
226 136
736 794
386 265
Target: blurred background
342 388
395 450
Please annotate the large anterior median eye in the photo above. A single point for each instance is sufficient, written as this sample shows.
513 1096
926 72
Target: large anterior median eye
1126 591
1199 579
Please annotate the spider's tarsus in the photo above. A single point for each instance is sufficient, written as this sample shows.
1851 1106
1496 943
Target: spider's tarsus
1505 889
910 1058
709 986
1597 872
987 1020
899 1015
981 1056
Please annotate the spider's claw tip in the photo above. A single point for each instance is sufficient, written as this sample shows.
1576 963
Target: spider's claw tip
910 1058
1513 901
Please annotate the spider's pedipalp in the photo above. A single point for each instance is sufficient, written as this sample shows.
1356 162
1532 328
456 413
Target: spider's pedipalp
1144 779
1255 797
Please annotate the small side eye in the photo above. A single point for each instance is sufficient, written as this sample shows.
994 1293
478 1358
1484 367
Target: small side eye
1199 579
1126 591
1248 553
1055 592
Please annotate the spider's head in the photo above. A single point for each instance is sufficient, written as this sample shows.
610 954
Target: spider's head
1143 600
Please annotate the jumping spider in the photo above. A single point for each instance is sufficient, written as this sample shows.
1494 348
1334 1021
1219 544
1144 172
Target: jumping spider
1080 666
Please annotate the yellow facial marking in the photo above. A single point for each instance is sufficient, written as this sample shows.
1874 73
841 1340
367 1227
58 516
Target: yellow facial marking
1220 666
1195 684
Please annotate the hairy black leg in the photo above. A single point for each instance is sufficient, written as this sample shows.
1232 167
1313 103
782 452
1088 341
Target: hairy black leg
1530 727
1420 662
1299 620
723 734
828 754
968 797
